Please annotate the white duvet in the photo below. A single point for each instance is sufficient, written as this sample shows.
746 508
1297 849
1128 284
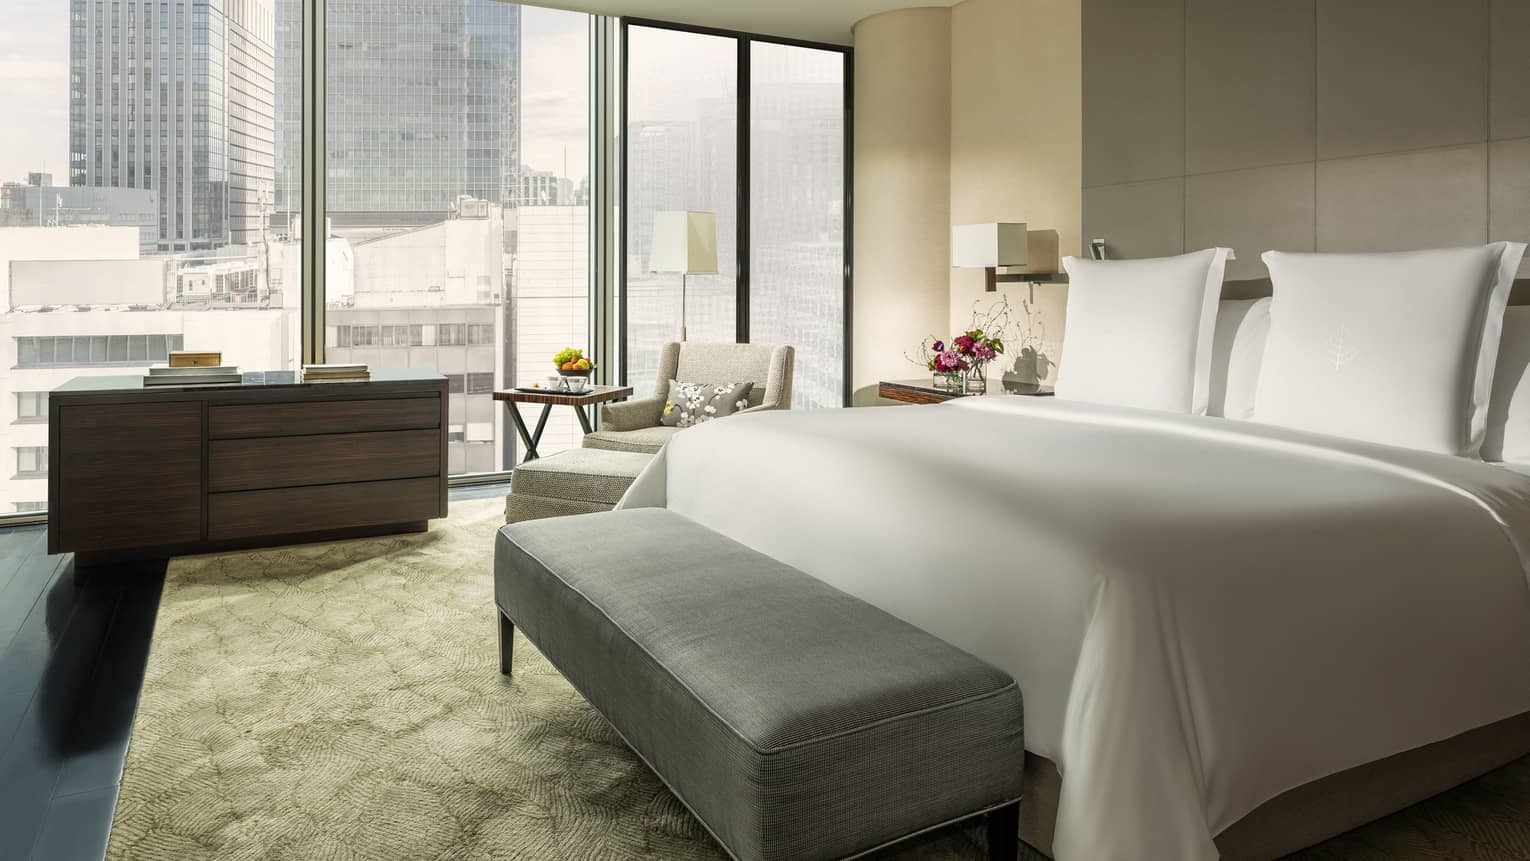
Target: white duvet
1201 613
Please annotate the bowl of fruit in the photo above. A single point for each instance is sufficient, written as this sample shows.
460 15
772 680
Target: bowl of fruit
572 362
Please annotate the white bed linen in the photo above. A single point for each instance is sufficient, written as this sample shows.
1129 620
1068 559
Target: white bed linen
1201 613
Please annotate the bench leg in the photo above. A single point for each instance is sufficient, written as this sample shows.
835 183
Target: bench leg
1004 833
506 641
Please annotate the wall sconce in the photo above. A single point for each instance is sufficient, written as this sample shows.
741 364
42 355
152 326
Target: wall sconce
992 246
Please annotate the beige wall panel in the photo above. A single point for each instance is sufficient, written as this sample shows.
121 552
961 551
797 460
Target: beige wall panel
1510 75
1139 219
1400 202
1509 194
1016 151
1134 74
902 181
1396 75
1249 84
1251 211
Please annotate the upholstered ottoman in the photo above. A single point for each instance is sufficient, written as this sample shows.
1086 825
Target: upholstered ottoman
794 720
576 481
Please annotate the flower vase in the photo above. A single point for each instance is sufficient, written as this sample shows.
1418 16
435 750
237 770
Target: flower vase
949 382
977 379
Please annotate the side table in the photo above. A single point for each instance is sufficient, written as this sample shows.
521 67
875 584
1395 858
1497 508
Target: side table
580 402
924 391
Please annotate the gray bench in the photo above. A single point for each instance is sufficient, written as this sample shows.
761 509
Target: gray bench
794 720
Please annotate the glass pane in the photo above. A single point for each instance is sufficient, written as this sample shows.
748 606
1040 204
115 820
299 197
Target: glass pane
551 287
138 205
797 213
682 152
449 122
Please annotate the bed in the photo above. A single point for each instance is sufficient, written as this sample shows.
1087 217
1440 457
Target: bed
1234 639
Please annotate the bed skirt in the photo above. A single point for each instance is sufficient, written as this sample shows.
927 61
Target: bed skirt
1314 812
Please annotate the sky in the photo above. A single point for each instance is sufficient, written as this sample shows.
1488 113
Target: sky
34 89
555 90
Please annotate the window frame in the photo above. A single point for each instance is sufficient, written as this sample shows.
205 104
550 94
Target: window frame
607 272
743 248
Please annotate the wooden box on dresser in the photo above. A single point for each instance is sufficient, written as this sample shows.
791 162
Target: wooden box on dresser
139 472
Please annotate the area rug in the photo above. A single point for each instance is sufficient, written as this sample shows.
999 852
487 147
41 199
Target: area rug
343 701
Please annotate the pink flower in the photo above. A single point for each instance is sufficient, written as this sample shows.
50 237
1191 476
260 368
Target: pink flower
949 361
982 352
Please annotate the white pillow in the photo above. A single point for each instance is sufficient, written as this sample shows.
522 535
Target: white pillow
1139 332
1508 422
1391 348
1237 351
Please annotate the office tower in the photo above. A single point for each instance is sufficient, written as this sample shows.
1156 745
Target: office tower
421 103
177 96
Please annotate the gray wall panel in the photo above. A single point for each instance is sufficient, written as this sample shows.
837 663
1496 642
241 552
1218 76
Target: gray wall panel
1137 219
1251 211
1363 123
1396 75
1426 199
1134 80
1510 69
1509 195
1249 83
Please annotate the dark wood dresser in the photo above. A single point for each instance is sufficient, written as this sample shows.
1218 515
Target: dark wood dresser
137 472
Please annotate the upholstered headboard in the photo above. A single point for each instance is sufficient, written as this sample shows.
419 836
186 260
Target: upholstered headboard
1258 288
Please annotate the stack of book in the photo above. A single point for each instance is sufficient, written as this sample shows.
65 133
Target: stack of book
335 373
192 369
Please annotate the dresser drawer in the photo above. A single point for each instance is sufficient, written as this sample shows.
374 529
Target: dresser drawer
293 461
301 418
125 475
295 510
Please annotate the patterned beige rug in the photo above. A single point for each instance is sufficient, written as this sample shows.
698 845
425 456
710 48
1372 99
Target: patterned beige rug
343 701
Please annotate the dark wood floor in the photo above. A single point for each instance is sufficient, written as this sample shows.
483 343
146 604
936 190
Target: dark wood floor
73 647
72 654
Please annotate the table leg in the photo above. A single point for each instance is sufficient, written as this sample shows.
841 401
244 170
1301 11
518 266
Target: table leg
527 439
584 419
536 435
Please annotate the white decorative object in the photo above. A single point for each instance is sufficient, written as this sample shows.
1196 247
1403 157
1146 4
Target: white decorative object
1139 332
684 243
1508 423
1392 348
1236 354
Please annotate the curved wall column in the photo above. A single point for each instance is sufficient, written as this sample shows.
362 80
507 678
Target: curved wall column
902 190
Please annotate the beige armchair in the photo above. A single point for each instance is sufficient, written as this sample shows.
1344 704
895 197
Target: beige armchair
634 425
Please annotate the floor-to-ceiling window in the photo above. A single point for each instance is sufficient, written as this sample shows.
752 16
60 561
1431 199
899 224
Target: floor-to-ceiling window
797 213
154 200
456 149
753 131
682 155
139 205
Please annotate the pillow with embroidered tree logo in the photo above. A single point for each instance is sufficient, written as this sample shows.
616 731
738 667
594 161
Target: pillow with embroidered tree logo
693 403
1396 348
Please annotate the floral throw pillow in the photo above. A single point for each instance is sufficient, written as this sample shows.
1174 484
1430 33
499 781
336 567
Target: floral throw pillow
693 403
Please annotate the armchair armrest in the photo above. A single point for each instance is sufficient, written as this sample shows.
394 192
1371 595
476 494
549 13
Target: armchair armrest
631 415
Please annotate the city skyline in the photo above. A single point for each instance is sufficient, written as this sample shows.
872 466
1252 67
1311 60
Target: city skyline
34 62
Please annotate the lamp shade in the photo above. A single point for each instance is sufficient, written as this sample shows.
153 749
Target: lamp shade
980 246
684 242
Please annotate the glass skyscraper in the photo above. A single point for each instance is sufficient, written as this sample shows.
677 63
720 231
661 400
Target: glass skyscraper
421 99
177 96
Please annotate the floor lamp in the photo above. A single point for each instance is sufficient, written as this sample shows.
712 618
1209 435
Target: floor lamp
684 243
